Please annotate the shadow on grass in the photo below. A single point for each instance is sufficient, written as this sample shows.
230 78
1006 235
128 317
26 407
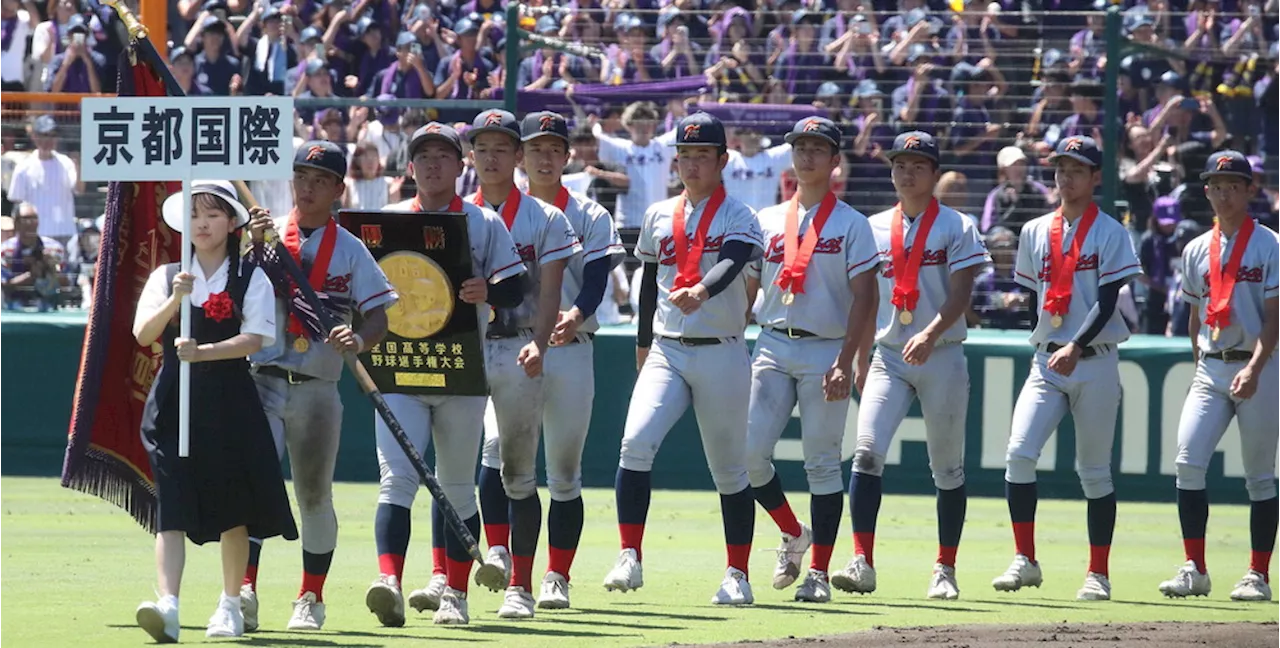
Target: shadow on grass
940 606
533 628
318 640
803 608
578 620
633 612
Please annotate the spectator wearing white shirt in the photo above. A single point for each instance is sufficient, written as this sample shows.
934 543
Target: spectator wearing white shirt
753 174
15 26
49 40
49 180
647 160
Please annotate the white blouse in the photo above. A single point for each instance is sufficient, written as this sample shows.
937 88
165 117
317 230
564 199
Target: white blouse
258 316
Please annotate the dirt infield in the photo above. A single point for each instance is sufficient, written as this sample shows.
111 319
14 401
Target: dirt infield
1076 635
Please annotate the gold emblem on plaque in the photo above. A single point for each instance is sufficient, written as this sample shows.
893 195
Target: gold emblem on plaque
426 295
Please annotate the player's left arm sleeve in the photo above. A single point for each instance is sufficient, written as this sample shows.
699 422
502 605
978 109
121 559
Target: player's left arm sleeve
1119 262
967 249
502 262
370 287
733 258
508 292
1100 314
595 276
1026 269
259 312
559 241
861 253
648 305
600 240
1271 275
745 228
1192 282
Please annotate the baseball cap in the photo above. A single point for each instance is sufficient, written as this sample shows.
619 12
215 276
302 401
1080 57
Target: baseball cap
547 24
272 12
365 25
866 88
914 143
44 125
1078 148
818 127
77 24
171 210
405 38
544 123
1172 79
322 155
700 129
827 89
1166 210
210 24
179 52
627 22
435 131
1228 163
494 121
388 115
315 66
466 26
1009 156
311 35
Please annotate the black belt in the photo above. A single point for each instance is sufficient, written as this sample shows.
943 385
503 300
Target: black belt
793 333
1088 352
1230 355
277 372
692 341
578 338
507 335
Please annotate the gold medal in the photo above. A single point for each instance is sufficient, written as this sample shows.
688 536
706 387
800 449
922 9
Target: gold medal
788 298
301 344
906 318
1214 333
1056 321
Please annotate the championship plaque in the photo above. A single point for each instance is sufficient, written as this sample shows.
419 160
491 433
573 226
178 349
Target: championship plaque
433 343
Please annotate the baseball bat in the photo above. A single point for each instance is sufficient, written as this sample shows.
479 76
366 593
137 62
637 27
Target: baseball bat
486 573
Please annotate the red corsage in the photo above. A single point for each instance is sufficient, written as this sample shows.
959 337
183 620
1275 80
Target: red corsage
218 306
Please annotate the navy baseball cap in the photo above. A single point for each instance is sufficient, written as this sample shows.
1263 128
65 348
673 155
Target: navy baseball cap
466 26
1228 163
272 12
538 124
494 121
827 89
435 131
405 39
700 129
818 127
914 143
311 35
179 52
1078 148
323 155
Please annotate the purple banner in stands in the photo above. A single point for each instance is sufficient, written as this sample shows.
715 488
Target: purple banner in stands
769 119
598 94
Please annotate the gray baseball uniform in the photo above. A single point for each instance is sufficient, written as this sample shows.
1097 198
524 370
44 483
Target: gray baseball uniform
453 423
542 234
786 370
941 383
715 378
306 415
1092 391
1210 405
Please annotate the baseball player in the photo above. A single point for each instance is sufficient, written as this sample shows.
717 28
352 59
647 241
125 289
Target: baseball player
929 255
694 301
1231 284
812 333
1076 259
514 351
453 423
297 378
568 371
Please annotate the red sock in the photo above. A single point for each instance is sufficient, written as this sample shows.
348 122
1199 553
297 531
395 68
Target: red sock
786 519
497 535
1098 559
437 560
313 583
522 572
865 543
1194 549
1260 561
632 535
560 560
947 555
1024 539
391 565
821 557
739 556
457 573
251 577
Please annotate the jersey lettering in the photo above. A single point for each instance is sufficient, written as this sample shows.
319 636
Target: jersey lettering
667 248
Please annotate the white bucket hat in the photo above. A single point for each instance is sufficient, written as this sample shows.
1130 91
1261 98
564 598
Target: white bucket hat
172 208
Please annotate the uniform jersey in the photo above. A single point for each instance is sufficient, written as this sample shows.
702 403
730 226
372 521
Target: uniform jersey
954 244
1106 256
493 254
354 283
598 238
542 234
724 315
845 249
1256 282
756 180
647 166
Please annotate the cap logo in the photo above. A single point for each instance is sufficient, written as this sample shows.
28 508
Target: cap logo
315 153
692 131
493 119
812 125
1224 163
433 128
1073 144
546 122
911 142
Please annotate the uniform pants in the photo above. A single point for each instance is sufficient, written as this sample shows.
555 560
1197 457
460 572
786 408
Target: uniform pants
1205 415
455 425
514 415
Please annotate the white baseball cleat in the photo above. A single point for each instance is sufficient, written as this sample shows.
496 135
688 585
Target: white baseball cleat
734 589
1188 582
517 603
943 584
385 601
227 621
790 554
555 592
249 607
159 619
497 559
1022 572
856 578
453 608
815 588
1096 588
1253 587
626 574
308 613
428 598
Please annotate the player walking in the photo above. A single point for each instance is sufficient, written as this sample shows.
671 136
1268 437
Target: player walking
1231 284
929 255
1077 259
297 378
514 352
452 423
813 334
700 357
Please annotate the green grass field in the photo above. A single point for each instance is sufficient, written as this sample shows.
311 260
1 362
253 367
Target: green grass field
75 567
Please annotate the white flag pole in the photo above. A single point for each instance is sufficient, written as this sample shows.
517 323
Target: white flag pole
184 327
